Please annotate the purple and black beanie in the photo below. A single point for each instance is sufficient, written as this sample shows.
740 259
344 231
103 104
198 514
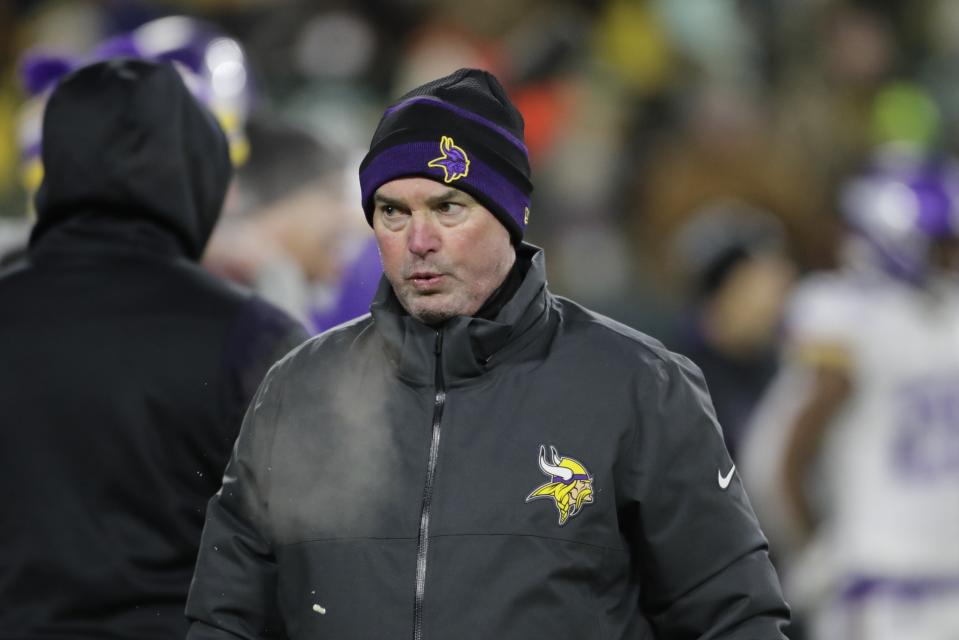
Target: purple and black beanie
461 130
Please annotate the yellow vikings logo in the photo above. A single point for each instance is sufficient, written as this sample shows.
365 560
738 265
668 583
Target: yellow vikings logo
454 162
570 486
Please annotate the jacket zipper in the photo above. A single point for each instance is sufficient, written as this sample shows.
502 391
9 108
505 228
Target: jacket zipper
422 542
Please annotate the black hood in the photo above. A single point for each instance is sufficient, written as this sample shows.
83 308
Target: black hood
127 140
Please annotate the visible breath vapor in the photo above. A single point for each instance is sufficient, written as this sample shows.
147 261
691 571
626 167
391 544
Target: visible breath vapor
340 476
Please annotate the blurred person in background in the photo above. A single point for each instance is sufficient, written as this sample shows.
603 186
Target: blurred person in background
478 458
126 367
287 231
723 148
852 458
738 272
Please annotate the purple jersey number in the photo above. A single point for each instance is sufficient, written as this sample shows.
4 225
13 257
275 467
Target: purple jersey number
927 442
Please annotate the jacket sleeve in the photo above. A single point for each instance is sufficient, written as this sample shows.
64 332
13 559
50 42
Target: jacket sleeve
702 561
233 593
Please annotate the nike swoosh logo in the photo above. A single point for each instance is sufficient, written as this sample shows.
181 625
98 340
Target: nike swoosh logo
724 480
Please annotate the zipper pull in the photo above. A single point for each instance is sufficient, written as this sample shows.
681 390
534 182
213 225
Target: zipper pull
439 343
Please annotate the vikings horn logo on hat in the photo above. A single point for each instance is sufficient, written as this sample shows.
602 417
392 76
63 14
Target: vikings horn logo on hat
570 486
454 162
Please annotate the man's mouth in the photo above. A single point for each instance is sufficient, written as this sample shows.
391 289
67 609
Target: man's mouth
425 280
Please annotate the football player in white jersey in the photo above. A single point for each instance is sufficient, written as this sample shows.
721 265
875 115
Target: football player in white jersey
853 455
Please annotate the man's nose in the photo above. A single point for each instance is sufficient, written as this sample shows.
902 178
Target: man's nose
424 235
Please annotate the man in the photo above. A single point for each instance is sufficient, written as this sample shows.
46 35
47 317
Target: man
738 273
478 458
125 367
854 451
286 232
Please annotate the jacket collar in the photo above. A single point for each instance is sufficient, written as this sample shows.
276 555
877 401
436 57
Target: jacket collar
471 346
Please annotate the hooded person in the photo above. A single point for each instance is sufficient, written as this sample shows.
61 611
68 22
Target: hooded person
477 457
126 368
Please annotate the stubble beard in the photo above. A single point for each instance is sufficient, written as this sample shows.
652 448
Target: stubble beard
459 302
433 317
427 315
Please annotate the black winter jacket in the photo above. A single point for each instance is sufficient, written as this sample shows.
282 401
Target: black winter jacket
392 480
125 368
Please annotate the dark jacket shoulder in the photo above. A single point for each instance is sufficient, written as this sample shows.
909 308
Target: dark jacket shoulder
619 343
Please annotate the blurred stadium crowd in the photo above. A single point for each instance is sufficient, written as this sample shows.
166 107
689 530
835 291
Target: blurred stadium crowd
638 113
688 155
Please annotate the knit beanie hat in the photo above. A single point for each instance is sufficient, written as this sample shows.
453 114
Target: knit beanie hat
461 130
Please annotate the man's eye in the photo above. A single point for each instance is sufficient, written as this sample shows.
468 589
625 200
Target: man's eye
388 210
449 207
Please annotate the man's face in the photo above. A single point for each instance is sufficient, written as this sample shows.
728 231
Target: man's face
443 252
